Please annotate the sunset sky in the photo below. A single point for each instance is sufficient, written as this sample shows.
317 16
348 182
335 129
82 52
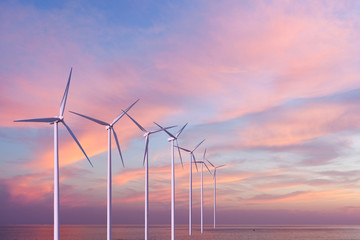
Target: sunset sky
273 87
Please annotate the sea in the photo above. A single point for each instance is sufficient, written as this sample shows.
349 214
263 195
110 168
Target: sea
161 232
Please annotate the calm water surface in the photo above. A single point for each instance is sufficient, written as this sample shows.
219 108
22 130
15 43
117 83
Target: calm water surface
132 232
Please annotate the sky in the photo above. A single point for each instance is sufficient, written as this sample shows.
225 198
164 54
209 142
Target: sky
273 87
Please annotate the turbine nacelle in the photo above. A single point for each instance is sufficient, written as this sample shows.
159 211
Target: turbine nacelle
202 162
57 120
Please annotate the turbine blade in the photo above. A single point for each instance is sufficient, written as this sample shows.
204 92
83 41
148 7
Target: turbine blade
210 163
122 114
221 166
178 134
177 145
159 130
91 119
78 143
165 131
136 123
63 101
207 168
204 155
118 146
47 120
193 156
146 148
198 145
184 149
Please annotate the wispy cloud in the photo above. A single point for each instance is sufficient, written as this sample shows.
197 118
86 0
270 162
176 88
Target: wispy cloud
272 86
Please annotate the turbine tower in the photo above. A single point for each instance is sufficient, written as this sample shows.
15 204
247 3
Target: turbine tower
146 163
172 139
215 167
202 190
56 121
110 128
192 158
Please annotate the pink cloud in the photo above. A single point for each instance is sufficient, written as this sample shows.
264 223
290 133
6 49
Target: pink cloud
238 62
29 188
299 124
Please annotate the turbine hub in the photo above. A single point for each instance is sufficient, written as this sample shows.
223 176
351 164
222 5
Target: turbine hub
108 127
60 119
171 139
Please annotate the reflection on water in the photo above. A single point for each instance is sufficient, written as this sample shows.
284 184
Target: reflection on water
159 232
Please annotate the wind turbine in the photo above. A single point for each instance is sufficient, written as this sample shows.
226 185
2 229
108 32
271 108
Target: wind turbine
146 163
172 139
55 121
110 128
202 191
192 158
215 167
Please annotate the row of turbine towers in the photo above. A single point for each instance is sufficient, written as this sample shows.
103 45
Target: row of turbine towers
173 138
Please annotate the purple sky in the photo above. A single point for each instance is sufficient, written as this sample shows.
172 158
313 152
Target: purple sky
273 86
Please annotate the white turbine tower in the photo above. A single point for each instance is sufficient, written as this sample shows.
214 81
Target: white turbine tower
192 158
146 163
55 121
110 128
202 191
172 139
215 167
